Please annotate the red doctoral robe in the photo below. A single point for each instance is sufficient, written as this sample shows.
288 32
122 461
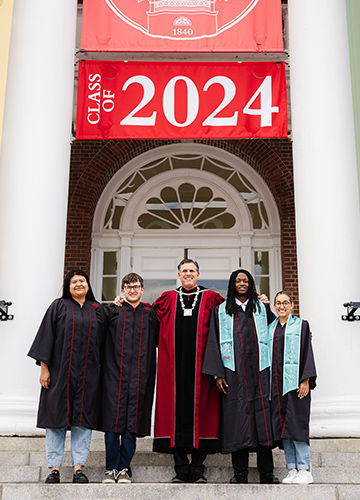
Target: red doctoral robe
206 396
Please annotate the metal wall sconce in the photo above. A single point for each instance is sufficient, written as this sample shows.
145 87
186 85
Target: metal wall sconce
4 315
351 309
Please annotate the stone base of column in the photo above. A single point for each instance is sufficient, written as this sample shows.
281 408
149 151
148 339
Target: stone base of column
335 417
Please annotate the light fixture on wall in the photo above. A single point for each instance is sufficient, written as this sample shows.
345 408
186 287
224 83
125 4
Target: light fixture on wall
351 309
4 316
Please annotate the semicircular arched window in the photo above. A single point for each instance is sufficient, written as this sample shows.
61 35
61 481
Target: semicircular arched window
186 205
197 206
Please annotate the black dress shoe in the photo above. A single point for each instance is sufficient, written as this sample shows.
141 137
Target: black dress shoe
180 478
239 479
79 477
53 477
199 479
268 478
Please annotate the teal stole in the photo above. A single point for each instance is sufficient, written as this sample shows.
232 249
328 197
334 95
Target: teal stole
226 323
292 340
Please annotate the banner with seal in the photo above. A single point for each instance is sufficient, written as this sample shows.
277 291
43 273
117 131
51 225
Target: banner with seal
182 26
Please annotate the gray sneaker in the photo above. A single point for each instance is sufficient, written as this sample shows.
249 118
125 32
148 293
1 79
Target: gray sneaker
123 476
110 476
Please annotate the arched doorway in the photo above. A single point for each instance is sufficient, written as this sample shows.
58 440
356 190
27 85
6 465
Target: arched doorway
185 200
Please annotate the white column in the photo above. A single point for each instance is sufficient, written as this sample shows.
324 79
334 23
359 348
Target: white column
327 206
34 171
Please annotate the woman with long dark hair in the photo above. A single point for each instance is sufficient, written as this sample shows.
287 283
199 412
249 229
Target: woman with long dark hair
67 347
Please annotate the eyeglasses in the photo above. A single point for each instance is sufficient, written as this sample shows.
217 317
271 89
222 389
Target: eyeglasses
286 303
132 287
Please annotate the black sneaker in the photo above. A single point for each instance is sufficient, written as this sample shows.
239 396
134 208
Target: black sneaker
110 476
79 477
268 478
53 477
123 476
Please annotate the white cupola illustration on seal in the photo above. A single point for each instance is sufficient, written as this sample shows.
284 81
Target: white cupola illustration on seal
182 18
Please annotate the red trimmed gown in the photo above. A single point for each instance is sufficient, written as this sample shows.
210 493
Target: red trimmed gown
128 371
187 402
246 418
69 341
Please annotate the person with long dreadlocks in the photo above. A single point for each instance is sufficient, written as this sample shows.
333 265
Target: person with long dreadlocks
237 355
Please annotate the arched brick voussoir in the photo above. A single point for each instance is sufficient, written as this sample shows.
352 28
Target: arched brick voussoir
94 163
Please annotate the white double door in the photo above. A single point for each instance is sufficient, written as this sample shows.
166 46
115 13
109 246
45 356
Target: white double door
158 267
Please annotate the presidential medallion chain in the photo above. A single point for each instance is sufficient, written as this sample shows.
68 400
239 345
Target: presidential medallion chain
188 312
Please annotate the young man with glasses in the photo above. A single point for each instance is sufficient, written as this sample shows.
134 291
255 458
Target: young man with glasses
187 403
129 367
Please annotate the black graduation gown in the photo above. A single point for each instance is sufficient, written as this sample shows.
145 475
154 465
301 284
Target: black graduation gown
290 414
69 342
246 418
129 367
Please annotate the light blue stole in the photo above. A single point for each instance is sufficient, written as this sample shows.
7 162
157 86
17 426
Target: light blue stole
292 342
226 323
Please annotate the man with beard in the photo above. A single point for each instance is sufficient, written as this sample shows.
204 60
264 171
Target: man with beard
237 355
187 402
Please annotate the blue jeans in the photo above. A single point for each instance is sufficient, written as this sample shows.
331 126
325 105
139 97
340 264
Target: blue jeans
55 443
297 455
119 456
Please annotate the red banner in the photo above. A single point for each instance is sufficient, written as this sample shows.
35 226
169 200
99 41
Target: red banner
124 100
182 25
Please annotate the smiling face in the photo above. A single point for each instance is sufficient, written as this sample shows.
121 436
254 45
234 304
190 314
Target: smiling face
241 285
188 275
133 292
283 306
78 287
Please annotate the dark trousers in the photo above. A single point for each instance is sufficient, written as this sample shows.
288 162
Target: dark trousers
189 471
265 464
119 456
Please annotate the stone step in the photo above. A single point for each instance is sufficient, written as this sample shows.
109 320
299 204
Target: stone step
148 458
97 458
15 443
178 492
163 474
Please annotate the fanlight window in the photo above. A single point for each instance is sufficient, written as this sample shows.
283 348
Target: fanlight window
187 204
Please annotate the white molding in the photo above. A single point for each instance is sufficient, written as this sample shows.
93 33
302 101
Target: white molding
180 149
233 238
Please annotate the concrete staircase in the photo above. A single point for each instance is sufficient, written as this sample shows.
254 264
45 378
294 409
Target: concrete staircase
336 470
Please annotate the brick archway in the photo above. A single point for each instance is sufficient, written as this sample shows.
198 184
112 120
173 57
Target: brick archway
94 163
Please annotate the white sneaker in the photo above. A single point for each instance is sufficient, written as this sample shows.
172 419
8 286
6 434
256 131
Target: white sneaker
123 476
303 477
110 476
291 475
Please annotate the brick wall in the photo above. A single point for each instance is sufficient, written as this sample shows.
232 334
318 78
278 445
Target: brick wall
94 163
